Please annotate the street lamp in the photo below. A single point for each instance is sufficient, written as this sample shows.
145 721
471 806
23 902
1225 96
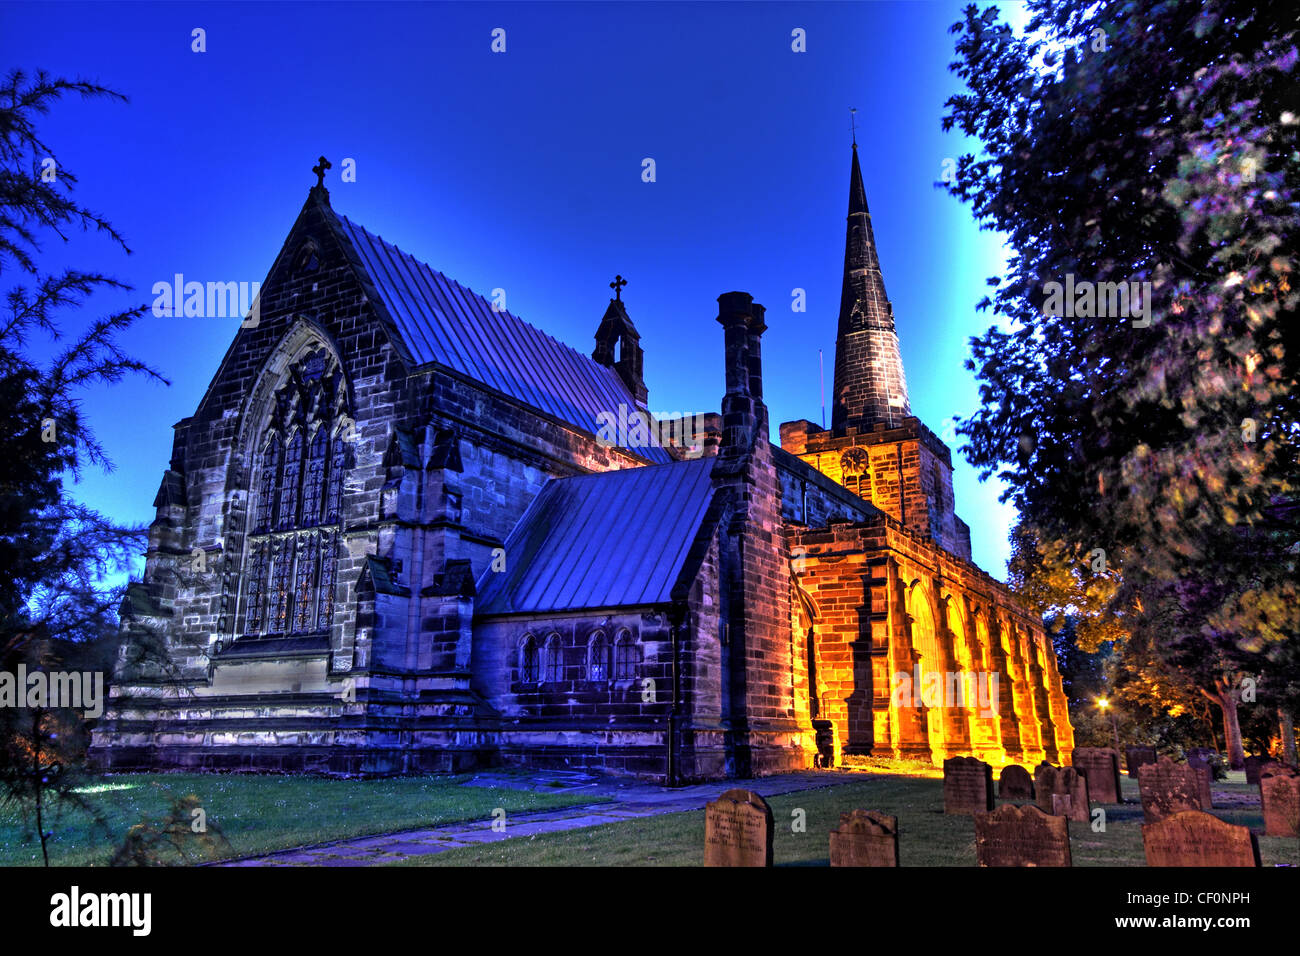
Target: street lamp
1104 704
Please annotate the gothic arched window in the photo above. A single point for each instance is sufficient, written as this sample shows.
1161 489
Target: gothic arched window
338 463
266 485
292 544
528 660
287 512
554 660
597 657
624 656
313 484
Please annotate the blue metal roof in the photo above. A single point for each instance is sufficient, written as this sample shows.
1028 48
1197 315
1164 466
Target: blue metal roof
442 321
613 539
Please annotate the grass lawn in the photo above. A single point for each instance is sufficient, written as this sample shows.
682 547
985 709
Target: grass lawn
261 813
927 836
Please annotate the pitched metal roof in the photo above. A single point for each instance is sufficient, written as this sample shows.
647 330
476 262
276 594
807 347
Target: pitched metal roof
612 539
442 321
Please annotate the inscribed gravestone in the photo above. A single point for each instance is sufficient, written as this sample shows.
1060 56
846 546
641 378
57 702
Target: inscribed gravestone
1101 766
1014 783
1061 791
967 785
1137 757
865 838
1021 836
1196 838
1167 788
1279 792
738 830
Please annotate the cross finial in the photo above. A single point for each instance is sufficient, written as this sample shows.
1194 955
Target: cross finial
853 115
319 170
617 286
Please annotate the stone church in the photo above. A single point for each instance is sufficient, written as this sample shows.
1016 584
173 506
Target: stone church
395 537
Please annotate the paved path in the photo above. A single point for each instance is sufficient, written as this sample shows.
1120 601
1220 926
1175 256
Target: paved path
629 800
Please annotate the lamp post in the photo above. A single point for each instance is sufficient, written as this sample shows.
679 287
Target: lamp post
1104 704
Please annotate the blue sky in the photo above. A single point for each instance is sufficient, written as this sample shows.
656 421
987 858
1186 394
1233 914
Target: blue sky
522 171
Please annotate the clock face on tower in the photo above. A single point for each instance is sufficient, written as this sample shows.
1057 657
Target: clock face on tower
855 461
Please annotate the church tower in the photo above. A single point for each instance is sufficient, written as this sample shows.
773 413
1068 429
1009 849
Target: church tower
875 446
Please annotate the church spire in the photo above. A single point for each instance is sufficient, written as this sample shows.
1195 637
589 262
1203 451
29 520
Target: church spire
869 382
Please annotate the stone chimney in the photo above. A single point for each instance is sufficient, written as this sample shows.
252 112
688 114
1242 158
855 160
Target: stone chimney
764 735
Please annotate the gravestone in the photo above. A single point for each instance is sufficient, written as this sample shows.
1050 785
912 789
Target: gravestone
738 830
1021 836
1200 757
865 838
1101 766
967 785
1279 792
1196 838
1014 783
1138 756
1253 766
1168 788
1061 791
1203 776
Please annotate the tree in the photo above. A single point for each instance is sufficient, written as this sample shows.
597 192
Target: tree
1139 399
55 554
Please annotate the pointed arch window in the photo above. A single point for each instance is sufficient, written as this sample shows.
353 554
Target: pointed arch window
624 656
267 488
313 485
288 509
291 558
597 658
554 660
338 464
528 671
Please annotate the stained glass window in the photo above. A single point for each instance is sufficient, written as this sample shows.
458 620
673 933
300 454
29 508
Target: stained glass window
337 465
291 578
314 484
598 658
304 600
288 512
281 597
266 485
256 580
325 593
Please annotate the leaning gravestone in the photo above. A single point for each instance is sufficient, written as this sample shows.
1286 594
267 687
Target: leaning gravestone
1014 783
1195 838
1200 757
1101 766
865 838
1061 791
738 830
1136 757
1168 788
1021 836
967 785
1279 792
